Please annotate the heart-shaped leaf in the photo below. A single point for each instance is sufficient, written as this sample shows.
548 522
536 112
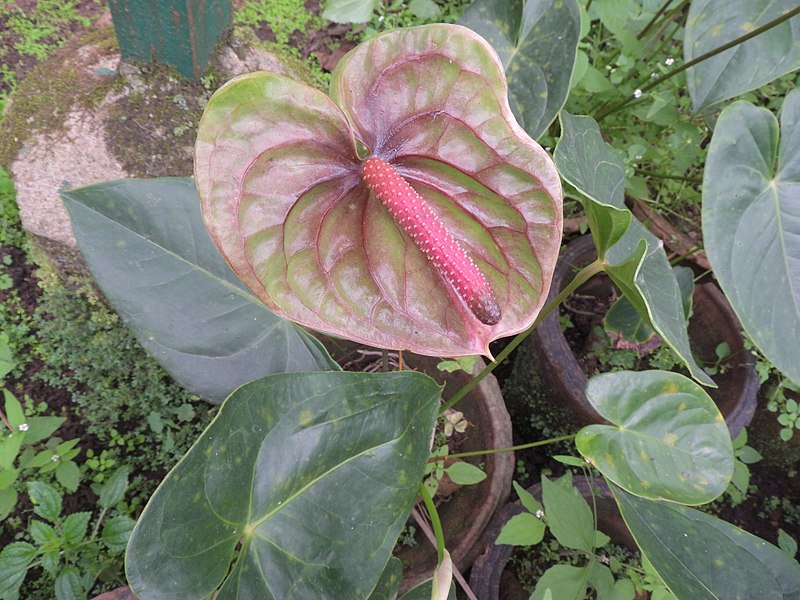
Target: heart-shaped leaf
751 224
536 40
150 253
279 168
704 558
667 438
634 258
751 64
298 489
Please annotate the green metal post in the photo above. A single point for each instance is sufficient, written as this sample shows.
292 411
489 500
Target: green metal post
179 33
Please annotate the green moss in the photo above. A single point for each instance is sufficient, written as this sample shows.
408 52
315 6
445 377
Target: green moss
534 415
49 90
119 391
151 130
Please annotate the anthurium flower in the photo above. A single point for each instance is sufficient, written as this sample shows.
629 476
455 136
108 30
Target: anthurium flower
406 210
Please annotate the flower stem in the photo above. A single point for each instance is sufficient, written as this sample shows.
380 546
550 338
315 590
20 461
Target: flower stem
435 522
775 22
509 449
582 276
645 173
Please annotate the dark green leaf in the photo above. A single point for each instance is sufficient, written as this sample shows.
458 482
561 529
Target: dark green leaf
526 499
75 525
14 413
537 42
151 254
42 532
585 160
14 561
564 582
46 500
759 60
751 226
463 473
9 448
51 561
703 558
350 11
113 490
667 438
40 428
389 584
68 474
636 261
629 329
69 586
787 543
116 532
424 9
8 500
298 489
572 461
7 362
524 529
568 516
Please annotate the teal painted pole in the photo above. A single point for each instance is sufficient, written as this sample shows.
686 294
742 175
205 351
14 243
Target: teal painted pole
179 33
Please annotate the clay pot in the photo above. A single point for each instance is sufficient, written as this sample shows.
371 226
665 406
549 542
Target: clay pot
712 322
466 513
490 580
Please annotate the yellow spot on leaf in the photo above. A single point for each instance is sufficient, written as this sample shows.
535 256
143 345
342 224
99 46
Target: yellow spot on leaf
306 417
670 439
748 27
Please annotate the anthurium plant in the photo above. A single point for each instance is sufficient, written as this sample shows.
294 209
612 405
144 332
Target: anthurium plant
406 209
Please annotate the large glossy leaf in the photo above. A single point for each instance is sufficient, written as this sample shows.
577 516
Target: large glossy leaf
704 558
634 258
388 585
298 489
279 171
667 439
536 40
751 224
759 60
150 253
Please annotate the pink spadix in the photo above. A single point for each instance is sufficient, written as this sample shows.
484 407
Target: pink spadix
428 232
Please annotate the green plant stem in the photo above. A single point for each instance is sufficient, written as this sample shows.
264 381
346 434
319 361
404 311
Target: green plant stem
652 21
96 528
580 278
646 173
435 522
509 449
711 53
